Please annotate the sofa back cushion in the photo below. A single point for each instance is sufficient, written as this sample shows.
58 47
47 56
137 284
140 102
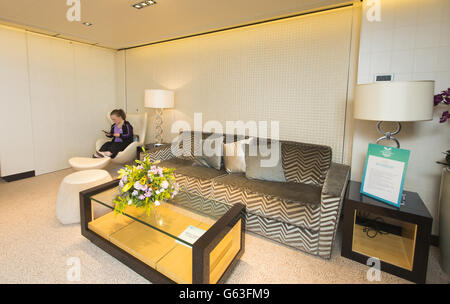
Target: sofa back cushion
302 163
305 163
195 140
262 166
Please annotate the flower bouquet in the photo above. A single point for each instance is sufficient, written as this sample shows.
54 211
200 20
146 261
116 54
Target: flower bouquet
443 98
145 185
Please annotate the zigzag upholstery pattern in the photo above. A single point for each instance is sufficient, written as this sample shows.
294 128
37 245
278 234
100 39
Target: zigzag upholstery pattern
305 163
303 215
300 238
190 143
160 153
196 185
329 214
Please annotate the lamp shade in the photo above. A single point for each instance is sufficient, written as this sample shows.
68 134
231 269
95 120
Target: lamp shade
394 101
159 99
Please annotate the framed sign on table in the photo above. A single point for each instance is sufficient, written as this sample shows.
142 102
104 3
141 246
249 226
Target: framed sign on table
384 173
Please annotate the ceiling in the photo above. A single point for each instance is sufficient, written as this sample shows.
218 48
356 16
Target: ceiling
117 25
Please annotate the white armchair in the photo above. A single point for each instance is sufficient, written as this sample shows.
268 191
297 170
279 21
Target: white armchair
139 123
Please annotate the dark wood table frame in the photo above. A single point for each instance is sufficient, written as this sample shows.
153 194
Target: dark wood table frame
414 211
201 249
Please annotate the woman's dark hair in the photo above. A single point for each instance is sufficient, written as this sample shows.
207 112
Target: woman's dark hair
119 112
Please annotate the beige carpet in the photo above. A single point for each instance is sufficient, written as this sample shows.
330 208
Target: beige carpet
35 248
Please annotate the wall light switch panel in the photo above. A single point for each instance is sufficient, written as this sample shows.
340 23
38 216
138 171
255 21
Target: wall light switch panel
384 77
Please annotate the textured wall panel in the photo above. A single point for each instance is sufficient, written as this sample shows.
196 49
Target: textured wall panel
293 70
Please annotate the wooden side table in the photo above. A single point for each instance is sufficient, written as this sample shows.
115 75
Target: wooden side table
398 237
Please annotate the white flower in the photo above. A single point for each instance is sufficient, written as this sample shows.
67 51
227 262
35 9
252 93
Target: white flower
165 184
157 203
129 202
157 192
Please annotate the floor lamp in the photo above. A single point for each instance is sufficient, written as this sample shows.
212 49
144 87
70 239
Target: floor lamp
396 101
159 100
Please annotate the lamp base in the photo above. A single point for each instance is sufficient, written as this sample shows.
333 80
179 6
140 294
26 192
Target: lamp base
388 135
159 130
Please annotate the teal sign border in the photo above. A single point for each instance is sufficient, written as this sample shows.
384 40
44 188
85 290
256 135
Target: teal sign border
396 154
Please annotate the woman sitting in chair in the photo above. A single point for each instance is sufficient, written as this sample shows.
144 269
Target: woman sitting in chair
121 133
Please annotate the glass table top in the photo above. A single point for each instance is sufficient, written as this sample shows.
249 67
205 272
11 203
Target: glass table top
184 218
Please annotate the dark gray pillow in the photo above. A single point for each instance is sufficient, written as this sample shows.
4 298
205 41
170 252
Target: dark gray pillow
264 163
211 153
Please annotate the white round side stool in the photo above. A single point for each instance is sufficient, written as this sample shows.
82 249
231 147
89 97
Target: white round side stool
68 201
86 163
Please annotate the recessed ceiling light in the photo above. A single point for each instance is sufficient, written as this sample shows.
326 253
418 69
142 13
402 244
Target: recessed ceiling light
143 4
87 23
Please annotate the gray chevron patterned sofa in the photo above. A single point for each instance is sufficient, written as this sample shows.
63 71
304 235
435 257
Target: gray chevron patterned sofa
302 212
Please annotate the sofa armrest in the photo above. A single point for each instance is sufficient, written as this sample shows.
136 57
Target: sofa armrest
333 192
336 180
161 153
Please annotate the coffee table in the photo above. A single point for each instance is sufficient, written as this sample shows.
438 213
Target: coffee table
189 239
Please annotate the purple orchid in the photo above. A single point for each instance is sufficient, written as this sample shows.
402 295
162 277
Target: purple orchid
438 99
445 117
443 97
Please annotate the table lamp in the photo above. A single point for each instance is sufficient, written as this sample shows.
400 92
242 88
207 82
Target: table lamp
396 101
159 100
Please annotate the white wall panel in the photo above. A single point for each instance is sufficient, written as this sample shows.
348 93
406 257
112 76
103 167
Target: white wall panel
51 78
294 71
16 151
95 95
72 88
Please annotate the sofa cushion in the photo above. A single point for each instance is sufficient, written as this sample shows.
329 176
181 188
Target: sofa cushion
305 163
264 163
189 144
210 153
234 156
197 180
294 203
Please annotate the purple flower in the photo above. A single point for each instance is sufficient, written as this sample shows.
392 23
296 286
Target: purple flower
148 193
141 197
134 193
445 116
121 184
443 97
438 99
